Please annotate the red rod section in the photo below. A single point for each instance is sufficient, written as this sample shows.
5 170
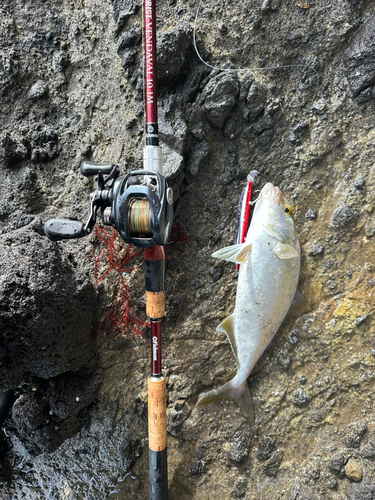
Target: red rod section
156 346
154 259
150 63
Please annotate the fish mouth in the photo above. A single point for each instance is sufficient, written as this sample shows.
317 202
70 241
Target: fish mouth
271 193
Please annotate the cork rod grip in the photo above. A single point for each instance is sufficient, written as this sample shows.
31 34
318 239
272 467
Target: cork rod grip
157 415
157 435
155 304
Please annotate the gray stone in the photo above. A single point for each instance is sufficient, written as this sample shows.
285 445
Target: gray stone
354 438
283 358
256 100
173 165
130 451
38 89
311 214
197 121
128 39
94 109
239 488
359 182
122 12
216 273
272 465
13 149
331 483
219 97
293 337
238 448
202 459
299 397
364 492
344 216
320 106
361 319
266 447
316 250
337 465
368 451
172 48
48 415
359 59
300 129
197 157
172 126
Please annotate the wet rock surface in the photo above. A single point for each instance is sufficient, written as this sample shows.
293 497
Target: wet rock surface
48 308
71 89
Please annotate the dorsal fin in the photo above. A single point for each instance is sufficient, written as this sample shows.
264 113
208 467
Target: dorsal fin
227 326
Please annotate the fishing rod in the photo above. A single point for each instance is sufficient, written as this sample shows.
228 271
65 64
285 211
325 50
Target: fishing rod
139 206
154 259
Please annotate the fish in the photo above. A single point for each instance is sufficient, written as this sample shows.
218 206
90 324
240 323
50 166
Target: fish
267 284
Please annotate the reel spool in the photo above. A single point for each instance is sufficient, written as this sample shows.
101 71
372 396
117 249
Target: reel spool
139 218
142 208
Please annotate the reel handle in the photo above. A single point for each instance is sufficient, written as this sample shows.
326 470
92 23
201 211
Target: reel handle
89 168
57 229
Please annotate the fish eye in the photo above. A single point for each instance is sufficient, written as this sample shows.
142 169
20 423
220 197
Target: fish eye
287 210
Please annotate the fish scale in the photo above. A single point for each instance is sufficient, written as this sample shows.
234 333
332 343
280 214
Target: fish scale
267 283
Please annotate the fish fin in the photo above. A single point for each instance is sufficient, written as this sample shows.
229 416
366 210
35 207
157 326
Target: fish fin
227 326
300 306
285 251
243 254
234 253
241 396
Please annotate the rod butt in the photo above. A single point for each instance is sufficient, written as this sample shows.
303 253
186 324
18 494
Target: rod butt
157 437
158 475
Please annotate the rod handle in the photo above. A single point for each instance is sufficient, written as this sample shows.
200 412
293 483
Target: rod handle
157 437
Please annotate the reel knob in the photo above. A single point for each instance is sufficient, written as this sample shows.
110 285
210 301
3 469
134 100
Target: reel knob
89 168
57 229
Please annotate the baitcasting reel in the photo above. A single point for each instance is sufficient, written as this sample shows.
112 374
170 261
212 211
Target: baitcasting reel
138 205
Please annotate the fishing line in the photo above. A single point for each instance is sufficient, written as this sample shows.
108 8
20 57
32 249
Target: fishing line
259 197
139 217
252 68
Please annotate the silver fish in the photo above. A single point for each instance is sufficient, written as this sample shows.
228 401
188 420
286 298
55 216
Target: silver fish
267 284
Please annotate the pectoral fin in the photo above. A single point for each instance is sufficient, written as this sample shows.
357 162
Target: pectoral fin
234 253
285 251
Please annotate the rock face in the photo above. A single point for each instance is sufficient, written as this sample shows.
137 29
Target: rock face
71 89
359 60
47 309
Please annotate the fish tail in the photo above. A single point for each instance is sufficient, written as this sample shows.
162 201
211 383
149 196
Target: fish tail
239 394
